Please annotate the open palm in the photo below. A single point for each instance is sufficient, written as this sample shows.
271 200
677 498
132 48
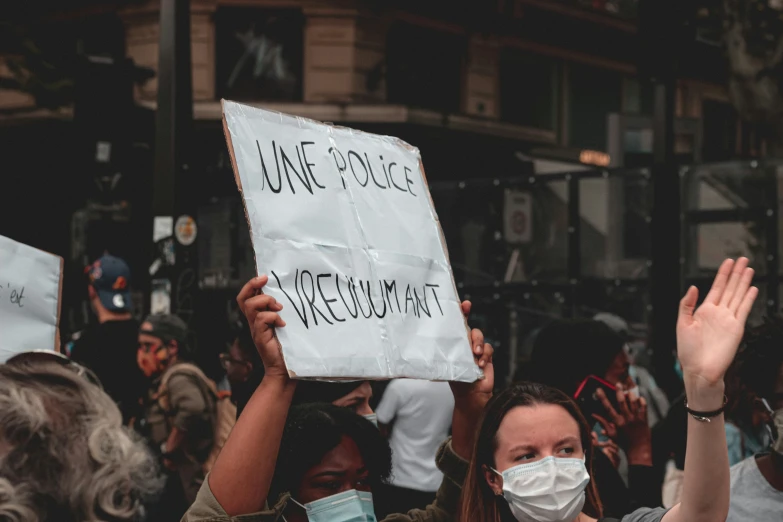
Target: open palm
708 337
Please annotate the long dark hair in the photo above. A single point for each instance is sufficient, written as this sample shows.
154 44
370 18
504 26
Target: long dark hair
479 503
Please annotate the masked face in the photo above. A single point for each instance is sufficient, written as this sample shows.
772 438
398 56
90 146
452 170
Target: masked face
549 490
152 355
348 506
539 464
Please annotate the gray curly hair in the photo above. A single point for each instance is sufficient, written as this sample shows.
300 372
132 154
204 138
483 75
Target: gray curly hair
64 453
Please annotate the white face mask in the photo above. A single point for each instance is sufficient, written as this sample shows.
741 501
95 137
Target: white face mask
550 490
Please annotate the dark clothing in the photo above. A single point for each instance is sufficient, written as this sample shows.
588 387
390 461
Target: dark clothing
109 350
393 499
618 499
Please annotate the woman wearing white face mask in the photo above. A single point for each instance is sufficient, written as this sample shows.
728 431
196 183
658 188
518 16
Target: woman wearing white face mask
533 454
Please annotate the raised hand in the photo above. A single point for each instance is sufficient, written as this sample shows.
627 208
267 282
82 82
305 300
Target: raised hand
708 337
629 427
470 398
261 312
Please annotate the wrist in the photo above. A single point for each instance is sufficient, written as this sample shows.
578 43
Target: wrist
280 382
703 395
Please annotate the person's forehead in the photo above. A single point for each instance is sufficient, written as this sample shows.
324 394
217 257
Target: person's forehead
538 426
345 457
147 337
235 352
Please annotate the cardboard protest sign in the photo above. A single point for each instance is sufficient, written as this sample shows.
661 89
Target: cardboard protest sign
30 288
343 224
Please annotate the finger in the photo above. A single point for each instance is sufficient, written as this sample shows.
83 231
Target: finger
270 319
608 406
603 422
688 302
477 341
742 289
263 303
731 286
719 284
466 306
642 410
747 304
622 402
486 356
250 289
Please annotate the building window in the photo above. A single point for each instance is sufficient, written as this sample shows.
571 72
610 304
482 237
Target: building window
259 54
424 67
593 94
529 90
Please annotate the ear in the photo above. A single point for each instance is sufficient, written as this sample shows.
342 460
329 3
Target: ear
173 348
91 292
494 481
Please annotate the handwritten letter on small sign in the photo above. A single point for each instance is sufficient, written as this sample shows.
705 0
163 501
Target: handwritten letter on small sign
343 224
30 286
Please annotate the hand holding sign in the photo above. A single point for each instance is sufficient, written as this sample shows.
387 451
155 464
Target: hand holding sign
261 312
342 223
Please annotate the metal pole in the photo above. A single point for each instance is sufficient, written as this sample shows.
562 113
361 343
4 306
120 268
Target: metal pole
666 273
173 269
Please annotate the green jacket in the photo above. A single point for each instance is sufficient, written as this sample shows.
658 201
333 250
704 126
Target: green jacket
444 508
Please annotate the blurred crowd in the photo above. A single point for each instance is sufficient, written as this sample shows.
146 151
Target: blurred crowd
123 425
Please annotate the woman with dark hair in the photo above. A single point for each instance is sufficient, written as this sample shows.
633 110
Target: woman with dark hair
533 452
320 462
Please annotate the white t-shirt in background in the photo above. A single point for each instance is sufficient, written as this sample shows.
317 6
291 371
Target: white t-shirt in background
420 412
752 497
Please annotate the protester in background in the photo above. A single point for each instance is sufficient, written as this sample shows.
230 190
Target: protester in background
757 482
243 366
531 462
108 348
565 353
323 462
181 409
657 402
64 453
416 415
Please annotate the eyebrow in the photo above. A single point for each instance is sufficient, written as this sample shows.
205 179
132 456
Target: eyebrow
327 473
566 440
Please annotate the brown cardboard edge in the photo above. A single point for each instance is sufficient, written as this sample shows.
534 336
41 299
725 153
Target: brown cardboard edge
445 249
57 340
238 181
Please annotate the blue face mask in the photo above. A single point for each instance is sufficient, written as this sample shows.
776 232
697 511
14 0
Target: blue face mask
372 418
348 506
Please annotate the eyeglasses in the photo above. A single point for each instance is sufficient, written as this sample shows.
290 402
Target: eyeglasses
226 360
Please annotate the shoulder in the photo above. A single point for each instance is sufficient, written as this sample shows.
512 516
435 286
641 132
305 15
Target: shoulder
646 515
744 470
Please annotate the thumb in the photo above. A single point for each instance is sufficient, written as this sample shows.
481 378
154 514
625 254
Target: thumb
688 302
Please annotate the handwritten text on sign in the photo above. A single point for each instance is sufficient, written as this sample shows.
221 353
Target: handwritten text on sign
343 224
29 298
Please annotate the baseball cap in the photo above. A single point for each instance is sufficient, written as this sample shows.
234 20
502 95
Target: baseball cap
110 276
166 327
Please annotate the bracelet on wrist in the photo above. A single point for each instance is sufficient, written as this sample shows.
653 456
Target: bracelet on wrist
705 416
